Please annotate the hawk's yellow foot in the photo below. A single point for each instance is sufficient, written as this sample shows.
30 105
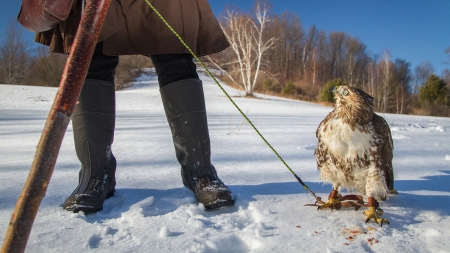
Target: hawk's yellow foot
332 202
372 213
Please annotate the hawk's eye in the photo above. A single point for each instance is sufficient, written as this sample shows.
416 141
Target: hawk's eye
345 93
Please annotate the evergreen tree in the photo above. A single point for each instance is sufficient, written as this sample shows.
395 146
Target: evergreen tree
434 91
325 94
289 88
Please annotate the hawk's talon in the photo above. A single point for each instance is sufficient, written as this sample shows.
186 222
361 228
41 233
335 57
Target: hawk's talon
332 203
319 201
372 213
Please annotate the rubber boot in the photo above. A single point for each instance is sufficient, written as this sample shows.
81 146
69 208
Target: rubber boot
93 124
184 104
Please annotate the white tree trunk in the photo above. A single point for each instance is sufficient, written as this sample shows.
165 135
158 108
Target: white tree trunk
248 45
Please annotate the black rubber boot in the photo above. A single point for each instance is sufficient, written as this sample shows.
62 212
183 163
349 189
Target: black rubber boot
93 124
184 104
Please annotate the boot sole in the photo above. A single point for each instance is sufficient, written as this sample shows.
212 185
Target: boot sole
219 205
89 209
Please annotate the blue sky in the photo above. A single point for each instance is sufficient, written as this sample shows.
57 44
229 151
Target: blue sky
413 30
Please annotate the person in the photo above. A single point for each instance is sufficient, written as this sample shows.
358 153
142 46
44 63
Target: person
131 27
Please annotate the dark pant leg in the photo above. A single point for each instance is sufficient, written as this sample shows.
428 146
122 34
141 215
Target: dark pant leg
102 67
174 67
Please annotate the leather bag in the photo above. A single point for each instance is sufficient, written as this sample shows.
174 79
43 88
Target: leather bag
43 15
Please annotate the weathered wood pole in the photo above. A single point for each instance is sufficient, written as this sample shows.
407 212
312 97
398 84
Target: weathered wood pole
55 127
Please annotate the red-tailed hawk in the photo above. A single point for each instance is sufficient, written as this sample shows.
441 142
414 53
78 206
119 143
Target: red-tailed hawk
355 150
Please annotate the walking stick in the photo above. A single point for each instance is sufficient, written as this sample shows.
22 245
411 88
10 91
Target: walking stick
59 116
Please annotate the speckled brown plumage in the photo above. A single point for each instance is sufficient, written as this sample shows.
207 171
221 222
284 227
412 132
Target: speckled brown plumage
355 147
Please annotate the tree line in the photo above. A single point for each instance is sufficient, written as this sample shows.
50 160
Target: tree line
275 54
27 63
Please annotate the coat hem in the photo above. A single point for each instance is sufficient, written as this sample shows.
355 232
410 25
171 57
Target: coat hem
150 52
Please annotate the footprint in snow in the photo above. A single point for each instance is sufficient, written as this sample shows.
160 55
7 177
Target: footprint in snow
94 241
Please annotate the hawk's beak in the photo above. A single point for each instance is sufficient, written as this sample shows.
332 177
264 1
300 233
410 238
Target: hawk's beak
332 89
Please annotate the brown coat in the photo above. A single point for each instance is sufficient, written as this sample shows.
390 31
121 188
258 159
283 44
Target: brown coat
131 27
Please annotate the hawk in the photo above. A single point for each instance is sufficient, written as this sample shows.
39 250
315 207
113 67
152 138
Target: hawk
355 150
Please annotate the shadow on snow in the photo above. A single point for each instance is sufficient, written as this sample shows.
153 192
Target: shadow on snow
167 201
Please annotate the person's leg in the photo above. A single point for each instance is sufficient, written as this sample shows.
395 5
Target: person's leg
93 122
102 67
173 67
184 105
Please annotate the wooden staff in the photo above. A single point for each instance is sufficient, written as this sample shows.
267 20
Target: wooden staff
55 127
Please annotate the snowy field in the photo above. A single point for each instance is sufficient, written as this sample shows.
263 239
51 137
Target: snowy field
152 211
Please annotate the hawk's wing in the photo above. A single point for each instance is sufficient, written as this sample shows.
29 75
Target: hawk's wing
387 148
321 148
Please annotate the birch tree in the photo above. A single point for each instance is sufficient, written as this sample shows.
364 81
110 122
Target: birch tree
382 92
248 44
371 77
308 52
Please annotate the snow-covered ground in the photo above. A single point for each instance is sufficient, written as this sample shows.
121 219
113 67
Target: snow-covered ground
152 211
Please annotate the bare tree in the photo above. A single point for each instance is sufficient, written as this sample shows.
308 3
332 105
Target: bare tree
289 43
355 61
402 79
335 53
308 51
446 76
307 58
421 75
246 37
447 51
446 72
13 56
45 68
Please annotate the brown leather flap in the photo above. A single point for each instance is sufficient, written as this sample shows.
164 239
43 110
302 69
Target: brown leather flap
43 15
58 8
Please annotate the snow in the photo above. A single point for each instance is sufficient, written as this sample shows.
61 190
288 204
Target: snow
153 212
